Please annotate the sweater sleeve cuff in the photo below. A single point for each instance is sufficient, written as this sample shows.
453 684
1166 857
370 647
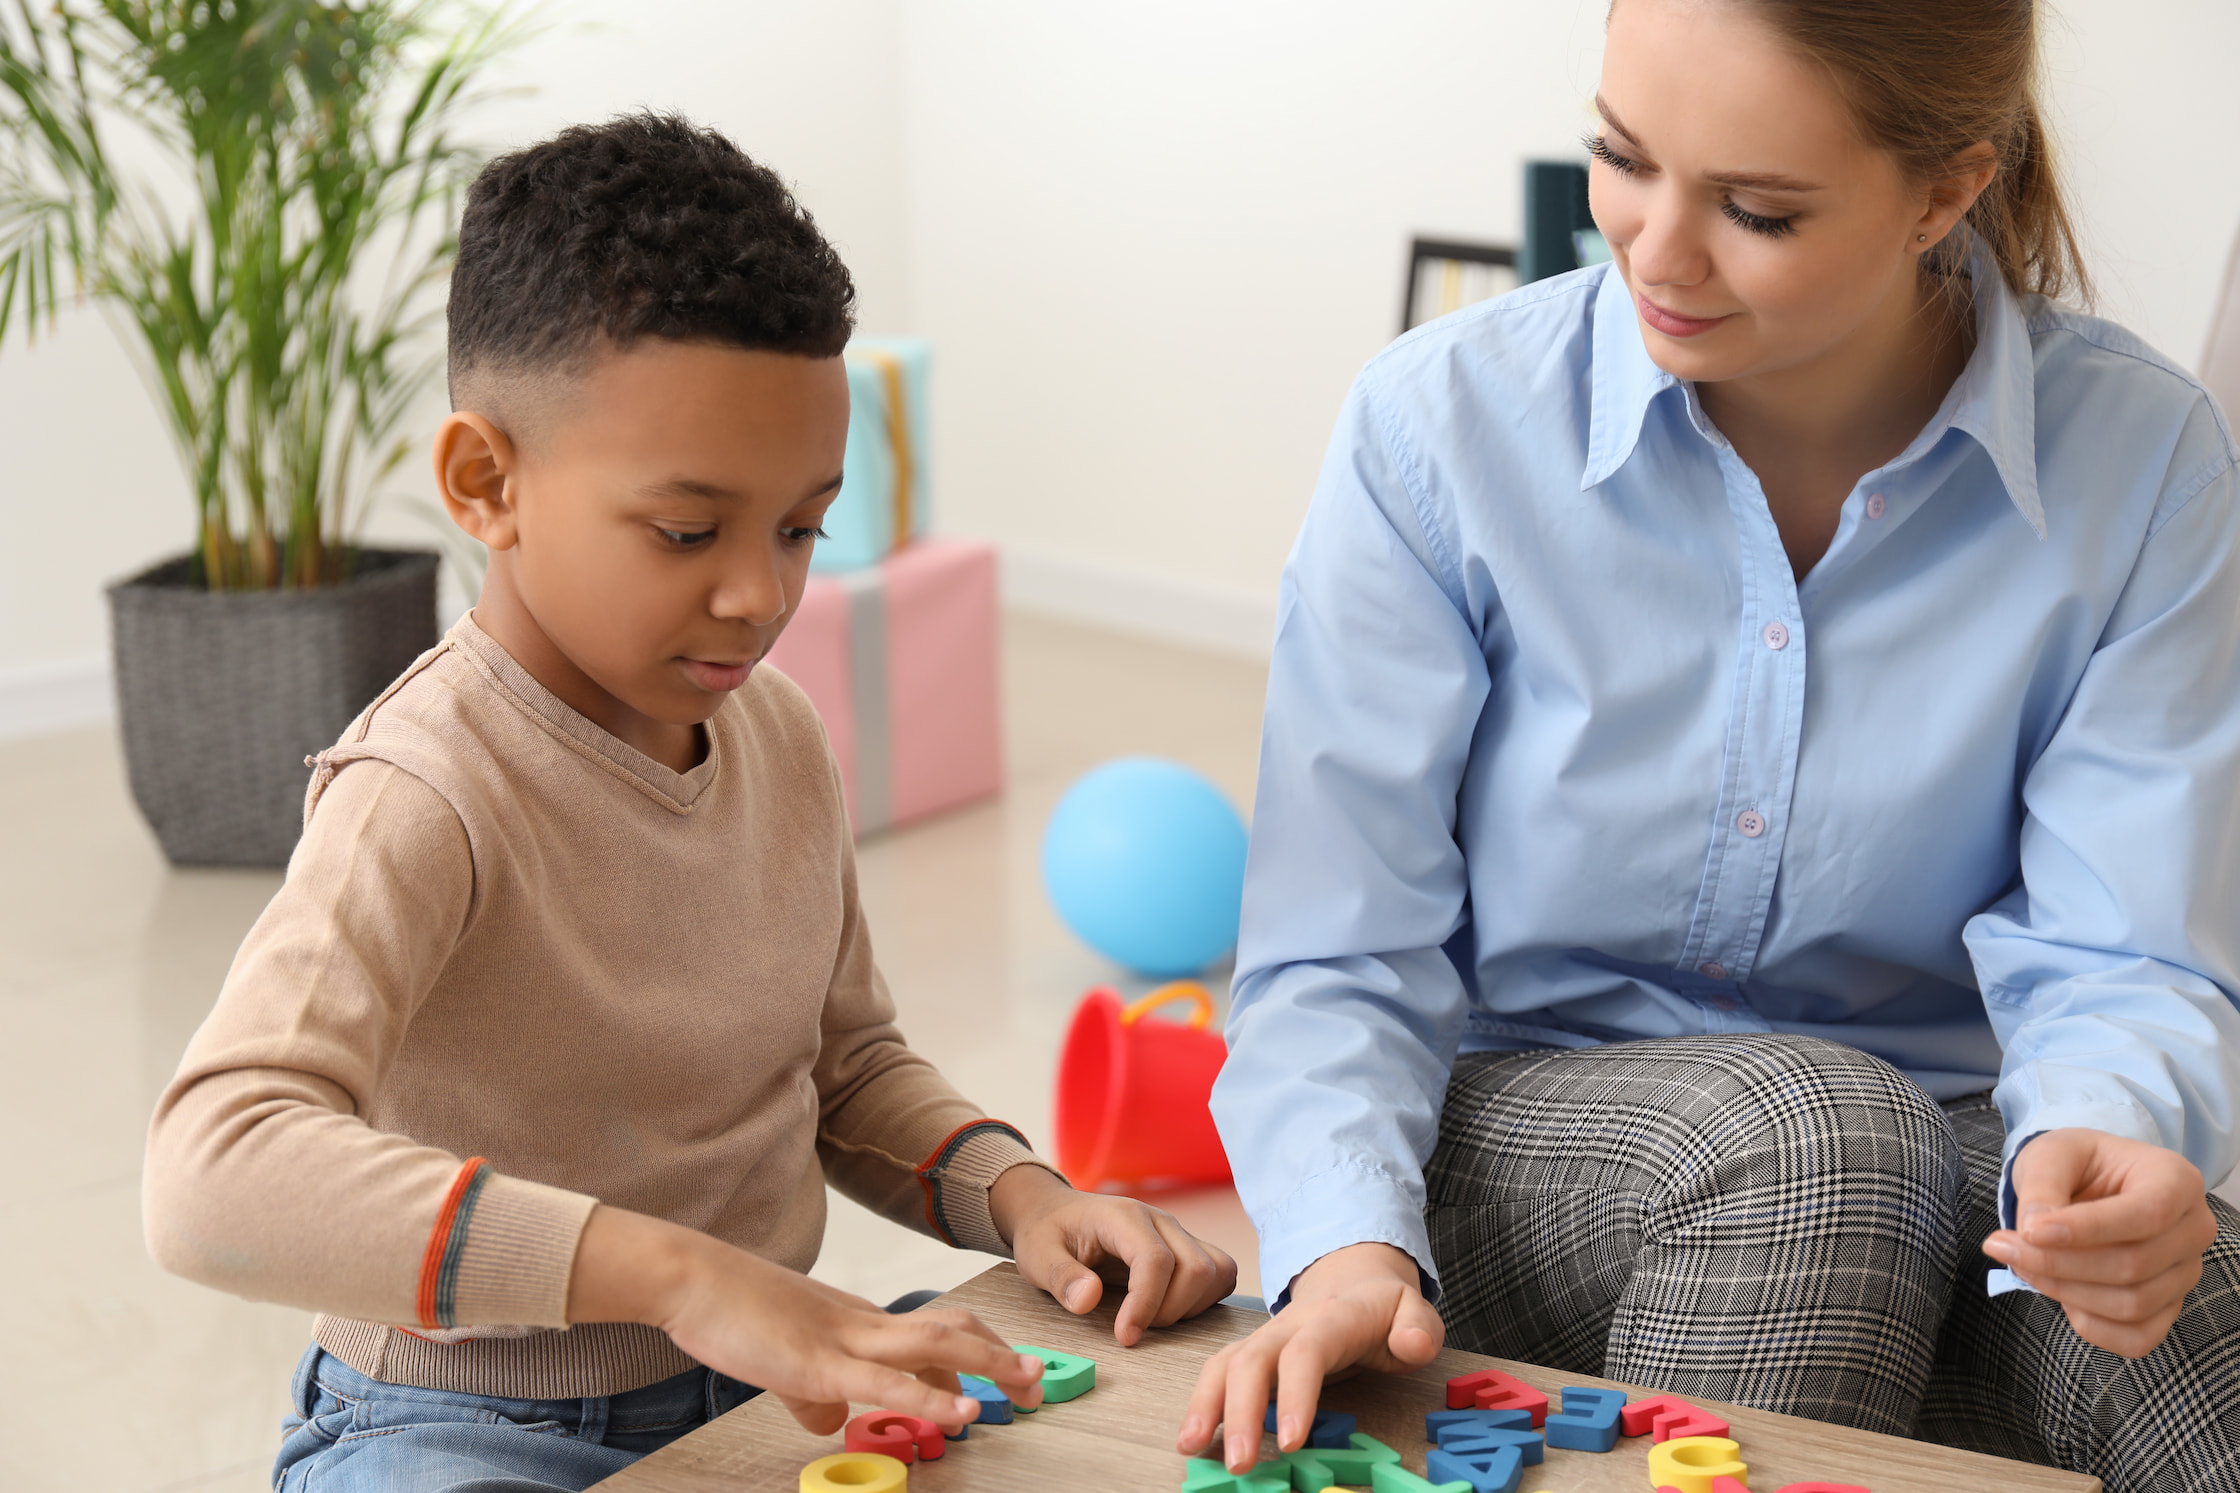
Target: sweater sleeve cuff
501 1252
957 1178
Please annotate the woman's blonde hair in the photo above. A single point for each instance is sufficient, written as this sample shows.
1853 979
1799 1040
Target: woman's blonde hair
1927 79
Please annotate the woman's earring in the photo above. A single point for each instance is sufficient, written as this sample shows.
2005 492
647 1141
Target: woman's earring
1921 238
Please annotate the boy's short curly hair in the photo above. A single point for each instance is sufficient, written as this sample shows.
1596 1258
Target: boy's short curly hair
644 226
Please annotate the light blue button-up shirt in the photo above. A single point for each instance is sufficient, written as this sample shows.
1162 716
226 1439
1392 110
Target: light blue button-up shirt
1558 752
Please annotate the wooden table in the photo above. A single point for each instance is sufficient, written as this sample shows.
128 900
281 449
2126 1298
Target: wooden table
1119 1438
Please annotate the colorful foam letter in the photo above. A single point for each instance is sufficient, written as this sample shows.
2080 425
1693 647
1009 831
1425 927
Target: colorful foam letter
1391 1477
1329 1429
902 1437
1670 1418
855 1472
995 1408
1694 1464
1490 1389
1065 1376
1437 1421
1314 1468
1468 1440
1588 1421
1205 1475
1496 1471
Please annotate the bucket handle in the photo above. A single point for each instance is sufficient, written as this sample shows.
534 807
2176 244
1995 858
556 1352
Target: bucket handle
1180 990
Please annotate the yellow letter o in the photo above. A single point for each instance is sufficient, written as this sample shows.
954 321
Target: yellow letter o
862 1472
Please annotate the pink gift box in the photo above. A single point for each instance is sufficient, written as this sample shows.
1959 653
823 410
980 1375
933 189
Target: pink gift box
901 660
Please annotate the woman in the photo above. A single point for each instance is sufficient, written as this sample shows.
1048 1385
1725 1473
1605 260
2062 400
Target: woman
1745 803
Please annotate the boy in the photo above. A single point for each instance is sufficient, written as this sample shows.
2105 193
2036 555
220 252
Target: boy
533 1074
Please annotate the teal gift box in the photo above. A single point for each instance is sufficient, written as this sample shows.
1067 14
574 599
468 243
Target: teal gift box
882 503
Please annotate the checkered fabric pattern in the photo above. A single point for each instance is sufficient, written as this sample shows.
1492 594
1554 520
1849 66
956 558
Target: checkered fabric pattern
1789 1223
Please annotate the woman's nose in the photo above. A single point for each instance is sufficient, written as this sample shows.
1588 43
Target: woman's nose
1667 250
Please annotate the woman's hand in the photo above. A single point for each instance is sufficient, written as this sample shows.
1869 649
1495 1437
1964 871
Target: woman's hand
812 1346
1359 1306
1062 1238
2113 1229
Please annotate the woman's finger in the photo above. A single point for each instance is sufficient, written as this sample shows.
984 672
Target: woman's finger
1300 1369
2143 1302
2126 1339
1201 1417
1244 1401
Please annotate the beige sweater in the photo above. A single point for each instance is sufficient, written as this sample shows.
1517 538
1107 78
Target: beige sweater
518 967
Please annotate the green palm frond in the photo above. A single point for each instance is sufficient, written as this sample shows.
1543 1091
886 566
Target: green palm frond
282 316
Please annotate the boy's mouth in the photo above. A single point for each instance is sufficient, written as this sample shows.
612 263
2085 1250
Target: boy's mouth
720 678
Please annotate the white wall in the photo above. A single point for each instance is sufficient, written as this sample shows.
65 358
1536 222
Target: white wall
89 489
1153 243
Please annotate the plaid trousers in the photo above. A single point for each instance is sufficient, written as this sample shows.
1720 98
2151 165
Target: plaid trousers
1789 1223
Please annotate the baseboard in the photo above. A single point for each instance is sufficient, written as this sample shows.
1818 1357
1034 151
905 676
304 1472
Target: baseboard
1191 613
60 696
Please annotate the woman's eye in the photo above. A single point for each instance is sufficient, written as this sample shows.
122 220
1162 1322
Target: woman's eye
1600 149
1758 223
685 539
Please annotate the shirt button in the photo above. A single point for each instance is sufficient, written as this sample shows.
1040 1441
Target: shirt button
1751 823
1776 636
1875 506
1712 970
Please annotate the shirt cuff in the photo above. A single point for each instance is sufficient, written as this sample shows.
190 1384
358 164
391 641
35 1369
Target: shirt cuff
957 1178
1342 1206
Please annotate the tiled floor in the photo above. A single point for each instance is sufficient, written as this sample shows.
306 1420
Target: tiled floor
114 1376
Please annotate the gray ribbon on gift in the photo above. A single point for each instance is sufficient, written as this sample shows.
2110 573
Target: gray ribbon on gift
867 689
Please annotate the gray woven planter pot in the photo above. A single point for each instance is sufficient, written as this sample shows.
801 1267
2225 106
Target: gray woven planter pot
222 694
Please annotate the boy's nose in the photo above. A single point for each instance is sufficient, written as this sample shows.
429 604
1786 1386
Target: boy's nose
753 591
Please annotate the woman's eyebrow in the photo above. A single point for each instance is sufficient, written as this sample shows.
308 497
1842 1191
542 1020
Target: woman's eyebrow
1760 181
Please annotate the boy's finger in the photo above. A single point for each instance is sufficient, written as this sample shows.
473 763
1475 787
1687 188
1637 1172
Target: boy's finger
872 1383
1202 1273
1150 1266
817 1417
1070 1283
931 1339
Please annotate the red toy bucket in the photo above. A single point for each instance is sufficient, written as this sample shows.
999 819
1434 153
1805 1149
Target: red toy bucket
1133 1095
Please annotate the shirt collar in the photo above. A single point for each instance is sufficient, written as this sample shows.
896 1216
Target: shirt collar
1994 399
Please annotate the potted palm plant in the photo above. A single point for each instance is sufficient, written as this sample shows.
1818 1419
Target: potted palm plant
260 193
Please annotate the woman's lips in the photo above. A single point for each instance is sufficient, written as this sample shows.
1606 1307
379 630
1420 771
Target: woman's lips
1671 323
718 677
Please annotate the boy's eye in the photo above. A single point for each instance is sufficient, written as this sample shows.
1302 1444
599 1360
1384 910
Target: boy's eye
804 536
685 539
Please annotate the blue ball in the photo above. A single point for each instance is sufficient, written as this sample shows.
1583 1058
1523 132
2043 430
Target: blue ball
1144 859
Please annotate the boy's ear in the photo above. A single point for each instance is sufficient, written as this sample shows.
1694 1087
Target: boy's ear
475 465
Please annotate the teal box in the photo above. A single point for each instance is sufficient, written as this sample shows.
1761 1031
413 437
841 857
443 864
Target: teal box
882 504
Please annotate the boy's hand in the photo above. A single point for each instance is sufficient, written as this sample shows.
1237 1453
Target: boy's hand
814 1347
2113 1229
1064 1240
1357 1306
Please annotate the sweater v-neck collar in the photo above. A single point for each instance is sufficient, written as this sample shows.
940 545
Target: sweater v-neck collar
673 789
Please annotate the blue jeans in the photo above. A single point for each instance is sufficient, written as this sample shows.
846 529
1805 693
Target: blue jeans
351 1434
